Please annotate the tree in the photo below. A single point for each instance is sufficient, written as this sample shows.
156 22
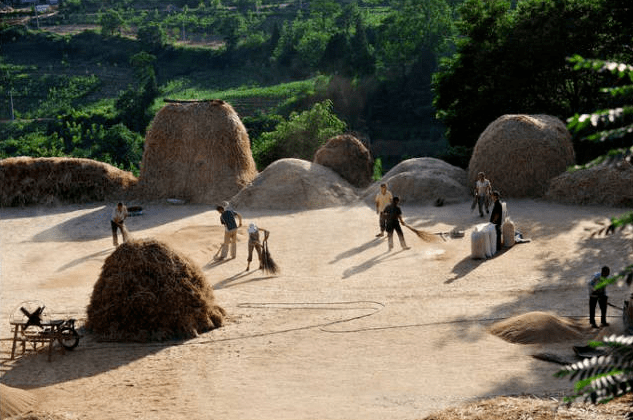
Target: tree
133 104
512 60
151 35
111 22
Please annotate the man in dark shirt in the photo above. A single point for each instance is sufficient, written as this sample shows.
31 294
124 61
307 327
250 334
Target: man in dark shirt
394 217
227 218
495 217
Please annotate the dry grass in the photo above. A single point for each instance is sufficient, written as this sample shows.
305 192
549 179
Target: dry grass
520 154
532 408
348 157
196 151
606 184
49 181
148 292
14 401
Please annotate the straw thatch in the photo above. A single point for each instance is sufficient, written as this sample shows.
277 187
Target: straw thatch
520 154
603 184
196 151
348 157
423 181
146 291
15 401
295 184
537 327
26 180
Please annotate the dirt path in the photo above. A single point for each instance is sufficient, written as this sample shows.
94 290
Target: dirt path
347 330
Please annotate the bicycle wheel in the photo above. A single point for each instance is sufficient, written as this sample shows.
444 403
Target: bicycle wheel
69 338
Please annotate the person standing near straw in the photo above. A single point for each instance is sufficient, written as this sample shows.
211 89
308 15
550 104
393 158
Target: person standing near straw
253 243
118 222
383 199
599 296
227 218
483 190
496 216
394 218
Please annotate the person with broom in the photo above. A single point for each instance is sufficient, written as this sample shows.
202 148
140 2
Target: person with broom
393 220
254 243
227 218
118 222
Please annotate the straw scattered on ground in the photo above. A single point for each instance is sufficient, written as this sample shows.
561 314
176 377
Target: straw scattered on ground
15 401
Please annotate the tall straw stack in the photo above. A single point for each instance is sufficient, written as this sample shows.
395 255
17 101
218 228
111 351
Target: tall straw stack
26 180
348 157
196 151
146 291
520 154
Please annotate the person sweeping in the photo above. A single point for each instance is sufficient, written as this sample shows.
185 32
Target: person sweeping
394 218
118 222
254 243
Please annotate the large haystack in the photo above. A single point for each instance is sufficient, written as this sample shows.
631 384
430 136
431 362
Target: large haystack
15 401
348 157
295 184
603 184
423 181
26 180
197 151
520 154
537 327
146 291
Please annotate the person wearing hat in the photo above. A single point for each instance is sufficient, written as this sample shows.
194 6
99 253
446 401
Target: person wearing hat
253 242
496 216
227 218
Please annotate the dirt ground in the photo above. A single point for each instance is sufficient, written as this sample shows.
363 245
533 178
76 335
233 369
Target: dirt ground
345 331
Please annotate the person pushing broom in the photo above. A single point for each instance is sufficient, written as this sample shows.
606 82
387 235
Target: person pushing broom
394 218
118 222
254 243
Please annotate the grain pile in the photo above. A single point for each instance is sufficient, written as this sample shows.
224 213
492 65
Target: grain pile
55 180
146 291
295 184
15 401
348 157
423 181
196 151
602 184
520 154
537 327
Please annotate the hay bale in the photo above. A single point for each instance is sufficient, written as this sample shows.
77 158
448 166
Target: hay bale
423 181
520 154
348 157
146 291
537 327
15 401
603 184
26 180
197 151
295 184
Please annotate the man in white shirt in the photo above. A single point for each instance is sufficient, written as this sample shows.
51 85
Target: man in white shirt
383 199
118 221
483 191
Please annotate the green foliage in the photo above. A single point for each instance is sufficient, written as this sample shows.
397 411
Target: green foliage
377 171
298 137
134 104
151 35
111 22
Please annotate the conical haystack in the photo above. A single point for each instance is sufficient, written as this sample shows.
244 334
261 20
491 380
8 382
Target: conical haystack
197 151
520 154
146 291
27 180
295 184
348 157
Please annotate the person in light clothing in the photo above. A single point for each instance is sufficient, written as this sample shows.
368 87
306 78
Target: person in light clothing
118 222
254 243
383 199
483 192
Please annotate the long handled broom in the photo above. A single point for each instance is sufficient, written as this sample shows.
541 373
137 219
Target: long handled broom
424 235
268 265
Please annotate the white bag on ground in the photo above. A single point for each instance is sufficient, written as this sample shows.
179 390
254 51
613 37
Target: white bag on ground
507 232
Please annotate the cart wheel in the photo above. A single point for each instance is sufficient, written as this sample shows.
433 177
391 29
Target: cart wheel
69 338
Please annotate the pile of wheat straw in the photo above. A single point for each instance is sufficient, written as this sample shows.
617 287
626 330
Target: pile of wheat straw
348 157
15 401
520 154
56 180
537 327
146 292
196 151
